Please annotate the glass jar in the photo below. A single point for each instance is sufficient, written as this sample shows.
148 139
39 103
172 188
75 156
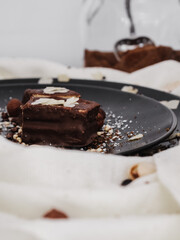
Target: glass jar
104 22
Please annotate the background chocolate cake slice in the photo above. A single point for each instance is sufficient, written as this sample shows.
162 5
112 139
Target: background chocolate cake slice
131 60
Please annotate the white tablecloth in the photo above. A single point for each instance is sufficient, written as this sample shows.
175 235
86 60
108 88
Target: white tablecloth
84 185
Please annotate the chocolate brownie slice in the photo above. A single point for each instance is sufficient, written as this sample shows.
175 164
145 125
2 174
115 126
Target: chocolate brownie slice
59 121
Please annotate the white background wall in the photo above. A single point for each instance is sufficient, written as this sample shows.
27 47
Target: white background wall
42 29
51 29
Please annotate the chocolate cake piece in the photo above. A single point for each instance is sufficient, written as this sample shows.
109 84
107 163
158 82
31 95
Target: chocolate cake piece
48 92
99 59
59 121
142 57
131 60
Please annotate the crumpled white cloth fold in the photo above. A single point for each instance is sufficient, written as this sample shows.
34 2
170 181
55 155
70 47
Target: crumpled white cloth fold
137 227
86 186
82 185
162 76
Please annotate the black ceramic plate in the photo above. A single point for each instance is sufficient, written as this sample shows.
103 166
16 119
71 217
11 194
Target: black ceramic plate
152 93
128 112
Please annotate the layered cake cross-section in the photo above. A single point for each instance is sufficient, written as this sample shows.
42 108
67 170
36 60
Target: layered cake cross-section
59 117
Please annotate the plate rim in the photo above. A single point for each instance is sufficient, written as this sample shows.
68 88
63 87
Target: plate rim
90 81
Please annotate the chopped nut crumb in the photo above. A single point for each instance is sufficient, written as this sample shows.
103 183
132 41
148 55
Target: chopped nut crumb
45 80
172 104
136 137
63 78
174 135
129 89
19 139
20 130
107 127
15 136
100 133
98 76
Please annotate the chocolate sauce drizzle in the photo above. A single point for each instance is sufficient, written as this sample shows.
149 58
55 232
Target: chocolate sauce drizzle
128 10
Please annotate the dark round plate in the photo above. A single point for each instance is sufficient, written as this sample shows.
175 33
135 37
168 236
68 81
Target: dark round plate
129 113
149 92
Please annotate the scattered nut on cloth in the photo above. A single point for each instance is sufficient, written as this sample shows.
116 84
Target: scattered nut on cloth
141 169
86 186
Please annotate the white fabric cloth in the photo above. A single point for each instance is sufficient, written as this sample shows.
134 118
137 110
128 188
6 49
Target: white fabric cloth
84 185
162 76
